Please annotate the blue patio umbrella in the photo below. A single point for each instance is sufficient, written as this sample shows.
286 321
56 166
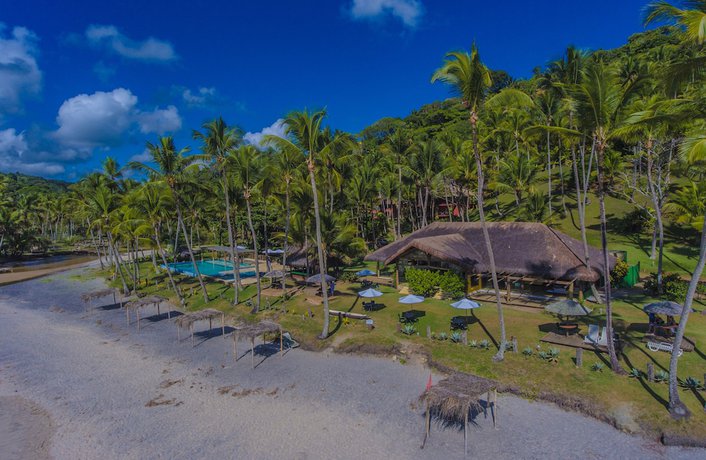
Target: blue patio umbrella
365 272
370 293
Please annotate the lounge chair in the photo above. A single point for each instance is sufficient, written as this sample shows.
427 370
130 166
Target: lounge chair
592 336
603 340
288 341
662 346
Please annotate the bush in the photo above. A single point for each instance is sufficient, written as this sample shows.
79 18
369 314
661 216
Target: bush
619 272
673 287
428 282
456 337
451 285
409 329
527 351
597 367
422 282
350 277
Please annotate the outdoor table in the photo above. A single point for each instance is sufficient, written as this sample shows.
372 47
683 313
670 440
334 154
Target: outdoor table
568 328
459 322
666 331
410 316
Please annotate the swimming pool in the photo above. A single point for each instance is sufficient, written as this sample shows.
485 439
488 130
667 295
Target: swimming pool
215 268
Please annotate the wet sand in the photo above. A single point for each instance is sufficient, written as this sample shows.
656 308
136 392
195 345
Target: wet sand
114 392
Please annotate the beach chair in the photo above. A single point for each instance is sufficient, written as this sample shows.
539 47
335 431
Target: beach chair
603 340
288 341
592 336
663 346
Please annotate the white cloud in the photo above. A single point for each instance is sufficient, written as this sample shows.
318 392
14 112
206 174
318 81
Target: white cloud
277 128
14 156
151 49
407 11
201 97
19 72
104 119
143 157
159 121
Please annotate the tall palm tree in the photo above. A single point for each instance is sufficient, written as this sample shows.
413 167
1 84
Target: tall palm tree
517 175
246 164
693 21
400 147
601 104
218 140
305 130
172 168
470 78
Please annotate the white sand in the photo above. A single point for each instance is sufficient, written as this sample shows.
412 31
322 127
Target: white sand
116 393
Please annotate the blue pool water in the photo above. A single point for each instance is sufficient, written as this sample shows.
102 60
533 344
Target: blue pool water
214 268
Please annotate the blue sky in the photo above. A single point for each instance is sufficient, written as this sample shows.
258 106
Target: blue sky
80 80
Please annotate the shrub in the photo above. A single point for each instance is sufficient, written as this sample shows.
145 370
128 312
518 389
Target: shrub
456 337
661 376
619 272
451 284
442 336
527 351
484 344
635 373
422 282
473 343
409 329
691 383
597 367
551 356
348 276
674 288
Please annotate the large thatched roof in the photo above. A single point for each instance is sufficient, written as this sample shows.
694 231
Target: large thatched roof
520 249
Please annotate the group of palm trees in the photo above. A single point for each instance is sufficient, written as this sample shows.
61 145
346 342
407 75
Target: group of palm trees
534 150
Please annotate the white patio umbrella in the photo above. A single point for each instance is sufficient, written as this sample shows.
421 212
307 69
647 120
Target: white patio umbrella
411 299
369 293
465 304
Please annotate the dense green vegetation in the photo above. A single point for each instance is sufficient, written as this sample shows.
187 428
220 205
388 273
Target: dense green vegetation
608 146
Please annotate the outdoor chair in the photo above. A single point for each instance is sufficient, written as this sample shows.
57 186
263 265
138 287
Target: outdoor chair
603 340
458 323
592 336
662 346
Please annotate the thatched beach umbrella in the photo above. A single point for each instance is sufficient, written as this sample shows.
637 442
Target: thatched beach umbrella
254 330
567 307
187 321
666 307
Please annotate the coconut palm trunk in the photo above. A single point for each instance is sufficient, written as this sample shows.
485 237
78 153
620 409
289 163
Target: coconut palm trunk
286 233
118 265
256 307
319 248
231 242
399 200
180 223
486 236
614 364
166 265
676 407
656 204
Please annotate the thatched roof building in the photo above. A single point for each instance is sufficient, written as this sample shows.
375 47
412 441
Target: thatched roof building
520 249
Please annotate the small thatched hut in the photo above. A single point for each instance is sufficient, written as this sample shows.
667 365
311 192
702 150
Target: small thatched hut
452 398
142 302
187 321
251 331
89 297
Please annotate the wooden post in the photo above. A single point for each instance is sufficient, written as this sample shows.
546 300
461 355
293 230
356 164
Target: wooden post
281 343
235 346
650 372
427 426
252 353
465 337
137 311
428 332
579 357
223 325
191 328
127 315
571 290
495 408
465 433
514 344
509 288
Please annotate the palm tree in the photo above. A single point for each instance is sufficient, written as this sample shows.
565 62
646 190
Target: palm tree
288 162
601 102
172 167
400 148
692 21
246 163
517 175
470 78
218 140
154 203
304 129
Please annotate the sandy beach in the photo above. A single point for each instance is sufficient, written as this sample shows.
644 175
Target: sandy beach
86 385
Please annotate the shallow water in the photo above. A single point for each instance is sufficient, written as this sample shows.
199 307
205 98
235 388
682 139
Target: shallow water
36 263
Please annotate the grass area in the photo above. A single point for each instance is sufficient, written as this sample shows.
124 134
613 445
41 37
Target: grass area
632 403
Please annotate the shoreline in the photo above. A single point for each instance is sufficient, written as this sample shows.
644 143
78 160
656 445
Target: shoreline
93 373
42 270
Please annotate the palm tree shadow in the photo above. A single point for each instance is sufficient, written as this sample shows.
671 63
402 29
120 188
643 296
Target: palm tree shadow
647 387
487 332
